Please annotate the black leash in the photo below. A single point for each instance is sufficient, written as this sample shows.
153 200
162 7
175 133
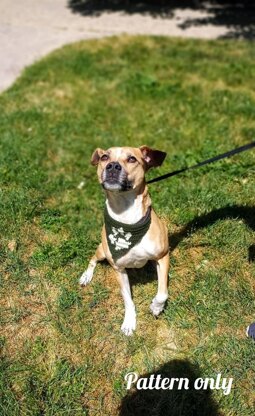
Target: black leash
205 162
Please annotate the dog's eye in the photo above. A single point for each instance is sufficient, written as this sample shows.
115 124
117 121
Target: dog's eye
131 159
104 157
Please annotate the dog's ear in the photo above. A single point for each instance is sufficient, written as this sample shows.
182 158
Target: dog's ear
152 157
96 156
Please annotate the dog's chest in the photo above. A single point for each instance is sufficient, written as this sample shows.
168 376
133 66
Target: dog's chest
127 242
138 255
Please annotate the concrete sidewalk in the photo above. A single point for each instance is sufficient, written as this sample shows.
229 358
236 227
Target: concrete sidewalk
29 29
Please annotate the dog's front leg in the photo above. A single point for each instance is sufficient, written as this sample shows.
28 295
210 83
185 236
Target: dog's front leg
88 274
158 303
129 323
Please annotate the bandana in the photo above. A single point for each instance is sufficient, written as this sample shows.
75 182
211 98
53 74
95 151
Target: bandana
122 237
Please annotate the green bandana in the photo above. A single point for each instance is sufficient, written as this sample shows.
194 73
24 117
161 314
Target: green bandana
122 237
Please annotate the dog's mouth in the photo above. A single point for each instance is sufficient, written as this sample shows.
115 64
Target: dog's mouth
116 186
115 181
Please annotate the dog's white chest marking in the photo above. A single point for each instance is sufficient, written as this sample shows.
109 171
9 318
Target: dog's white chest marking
138 255
132 212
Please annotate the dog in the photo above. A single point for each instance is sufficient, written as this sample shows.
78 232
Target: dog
132 233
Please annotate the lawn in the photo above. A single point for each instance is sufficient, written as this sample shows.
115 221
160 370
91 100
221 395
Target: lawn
61 346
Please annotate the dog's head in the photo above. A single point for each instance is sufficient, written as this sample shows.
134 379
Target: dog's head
122 169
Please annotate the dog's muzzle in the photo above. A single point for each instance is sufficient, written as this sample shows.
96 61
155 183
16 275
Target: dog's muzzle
114 178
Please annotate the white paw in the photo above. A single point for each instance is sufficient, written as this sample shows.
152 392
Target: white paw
156 307
86 277
129 323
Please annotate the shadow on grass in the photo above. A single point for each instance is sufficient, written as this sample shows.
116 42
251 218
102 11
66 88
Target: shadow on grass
143 275
174 402
246 213
252 253
238 17
149 273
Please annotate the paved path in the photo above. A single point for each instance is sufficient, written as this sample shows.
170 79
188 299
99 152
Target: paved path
29 29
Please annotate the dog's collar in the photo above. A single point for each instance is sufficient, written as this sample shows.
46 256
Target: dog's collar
122 237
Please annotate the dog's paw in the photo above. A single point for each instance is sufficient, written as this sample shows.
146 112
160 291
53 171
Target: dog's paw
129 324
156 307
86 277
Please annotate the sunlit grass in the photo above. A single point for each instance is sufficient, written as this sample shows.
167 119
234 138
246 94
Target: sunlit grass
63 352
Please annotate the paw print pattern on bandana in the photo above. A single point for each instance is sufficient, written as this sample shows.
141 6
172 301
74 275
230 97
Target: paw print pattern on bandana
123 237
119 238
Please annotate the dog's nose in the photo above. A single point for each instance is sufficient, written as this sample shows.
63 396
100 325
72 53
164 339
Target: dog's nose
113 166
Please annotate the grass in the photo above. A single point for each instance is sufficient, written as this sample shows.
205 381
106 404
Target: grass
62 349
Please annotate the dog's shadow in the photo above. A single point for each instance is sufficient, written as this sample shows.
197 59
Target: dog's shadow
174 402
237 212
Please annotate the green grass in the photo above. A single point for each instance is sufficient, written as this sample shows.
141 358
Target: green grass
61 345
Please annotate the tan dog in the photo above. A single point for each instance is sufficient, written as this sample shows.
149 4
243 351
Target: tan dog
132 233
